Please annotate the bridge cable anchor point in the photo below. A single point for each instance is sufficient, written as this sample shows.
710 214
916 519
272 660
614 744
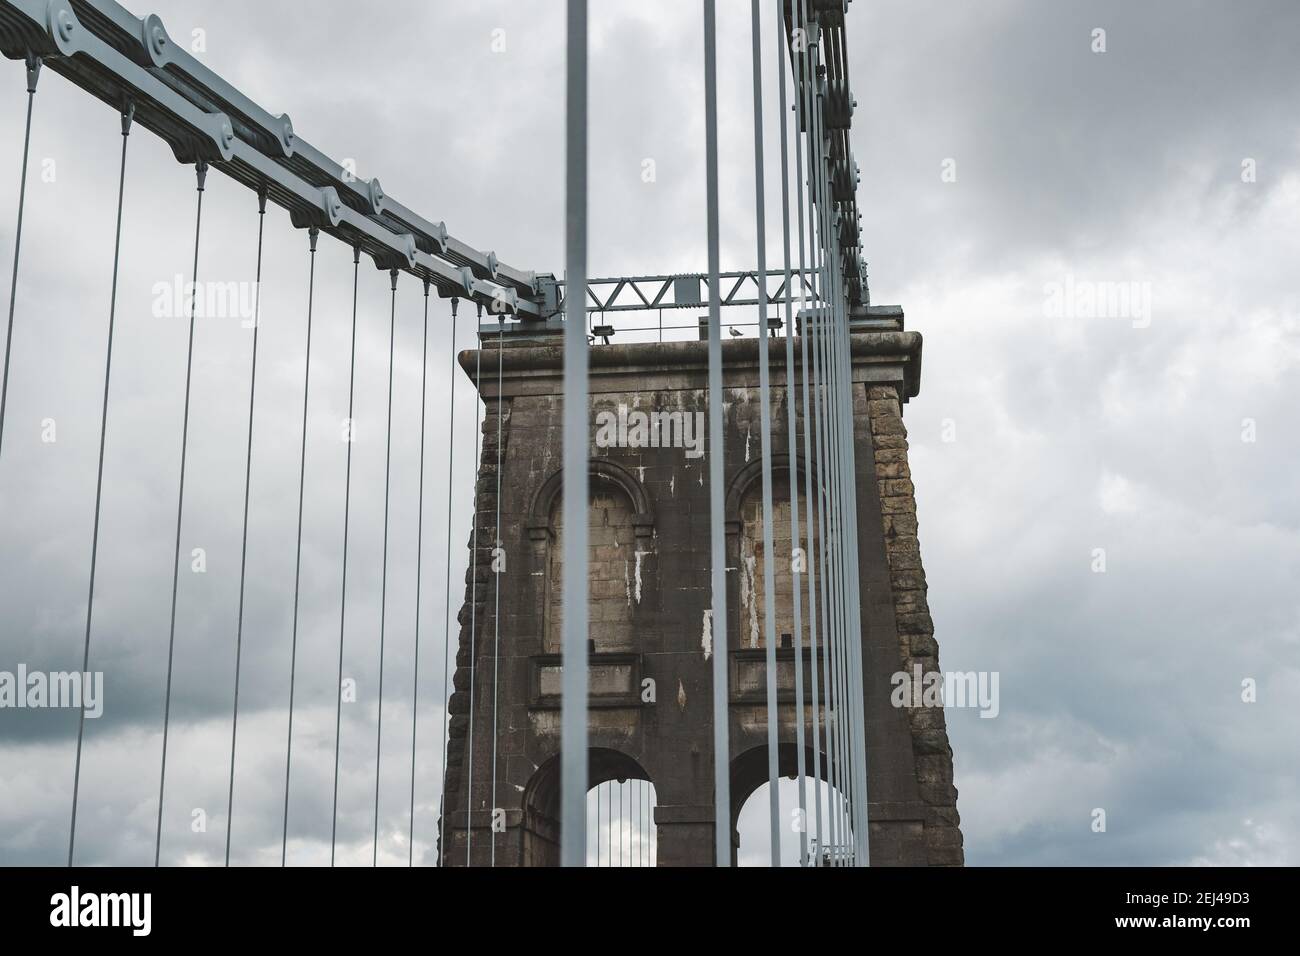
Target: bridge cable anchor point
33 71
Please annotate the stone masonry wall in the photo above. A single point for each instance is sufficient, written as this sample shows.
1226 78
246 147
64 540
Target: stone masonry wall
916 643
914 819
473 612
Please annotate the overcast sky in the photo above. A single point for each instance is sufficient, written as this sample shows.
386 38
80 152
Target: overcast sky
1001 157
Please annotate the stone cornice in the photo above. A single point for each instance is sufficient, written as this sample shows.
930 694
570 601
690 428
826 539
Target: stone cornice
879 357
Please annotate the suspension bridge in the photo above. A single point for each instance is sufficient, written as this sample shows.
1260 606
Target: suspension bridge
654 626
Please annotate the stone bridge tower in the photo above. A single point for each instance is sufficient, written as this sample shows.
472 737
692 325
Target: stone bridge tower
649 554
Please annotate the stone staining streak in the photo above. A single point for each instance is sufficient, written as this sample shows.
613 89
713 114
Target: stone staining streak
748 594
706 636
640 556
751 550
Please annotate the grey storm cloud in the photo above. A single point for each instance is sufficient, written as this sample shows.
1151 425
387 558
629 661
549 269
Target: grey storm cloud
1038 441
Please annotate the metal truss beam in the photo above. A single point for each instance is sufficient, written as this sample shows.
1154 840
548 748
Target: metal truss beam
688 290
121 59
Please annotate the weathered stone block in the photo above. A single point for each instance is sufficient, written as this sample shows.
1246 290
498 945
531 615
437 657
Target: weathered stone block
887 441
900 524
899 504
897 486
915 623
907 580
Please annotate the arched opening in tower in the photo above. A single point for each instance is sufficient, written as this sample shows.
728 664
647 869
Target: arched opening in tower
621 801
753 830
828 845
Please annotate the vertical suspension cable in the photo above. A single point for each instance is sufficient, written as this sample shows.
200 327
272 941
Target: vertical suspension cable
765 430
312 235
383 587
834 732
831 538
840 490
853 586
836 569
127 115
833 568
446 604
812 410
834 405
496 612
816 321
847 556
856 673
243 552
824 546
813 493
793 441
473 587
717 539
835 429
830 542
33 74
201 172
574 664
419 577
347 506
863 832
